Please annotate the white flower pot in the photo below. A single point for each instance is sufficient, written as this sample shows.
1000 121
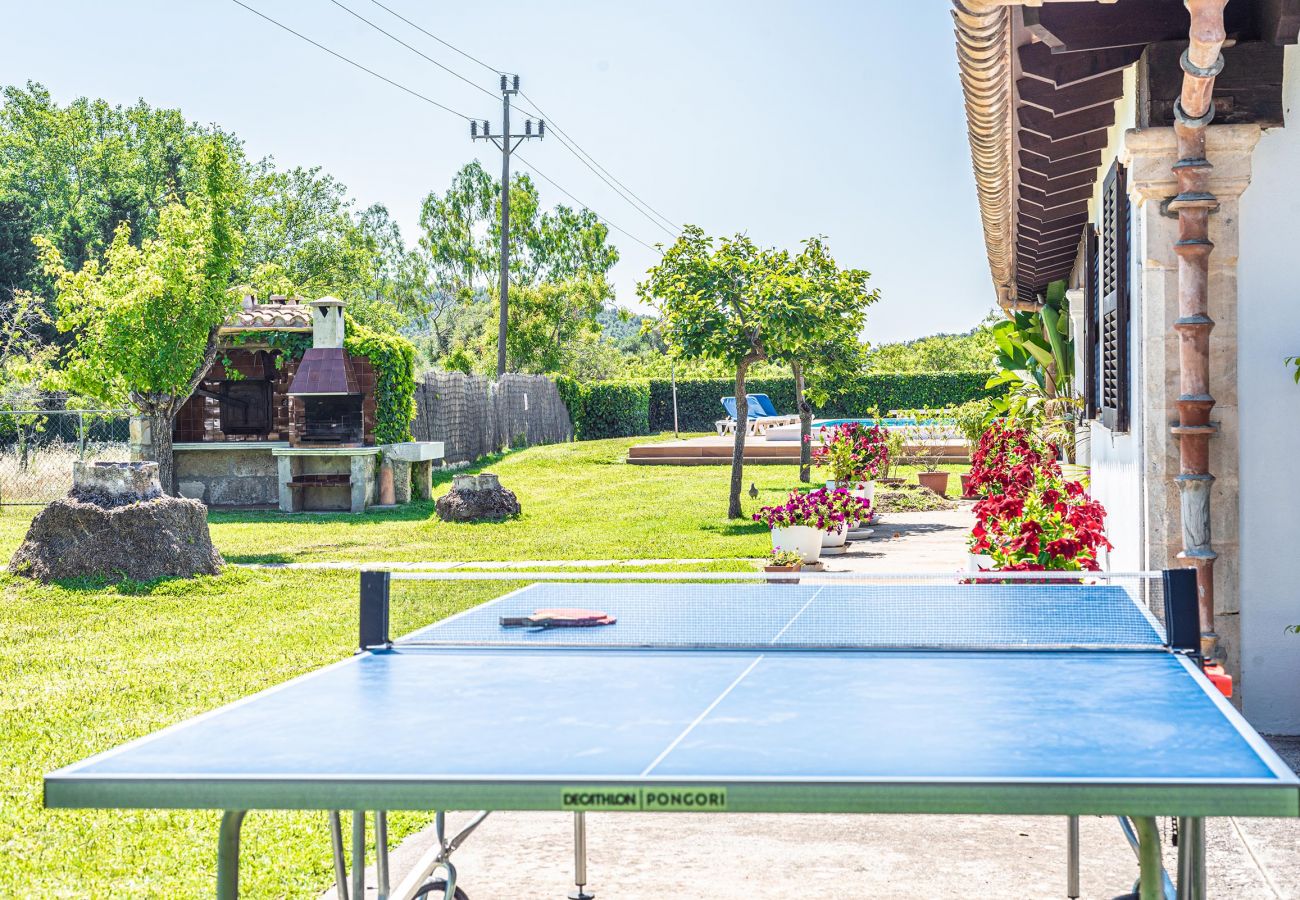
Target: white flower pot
866 492
977 561
802 539
835 538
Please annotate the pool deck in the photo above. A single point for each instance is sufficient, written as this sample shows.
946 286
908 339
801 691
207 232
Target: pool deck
713 450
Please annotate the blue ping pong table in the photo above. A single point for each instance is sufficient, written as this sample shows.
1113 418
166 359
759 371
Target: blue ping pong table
944 698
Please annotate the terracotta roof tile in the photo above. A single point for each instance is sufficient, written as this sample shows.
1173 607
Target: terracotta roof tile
273 316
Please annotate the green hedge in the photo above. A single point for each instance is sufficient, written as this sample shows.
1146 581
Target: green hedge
606 409
698 406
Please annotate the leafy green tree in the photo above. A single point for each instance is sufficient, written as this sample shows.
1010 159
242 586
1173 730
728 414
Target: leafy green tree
458 249
74 173
825 353
145 319
301 236
969 352
735 302
546 321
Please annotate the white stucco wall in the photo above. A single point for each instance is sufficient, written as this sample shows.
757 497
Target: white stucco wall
1269 503
1115 458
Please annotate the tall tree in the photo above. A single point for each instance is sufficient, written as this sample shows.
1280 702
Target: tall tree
145 319
826 351
74 173
459 244
718 303
741 304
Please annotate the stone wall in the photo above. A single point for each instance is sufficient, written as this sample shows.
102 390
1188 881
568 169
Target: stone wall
229 476
1151 154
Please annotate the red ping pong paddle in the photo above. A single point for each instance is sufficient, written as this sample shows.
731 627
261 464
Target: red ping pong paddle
559 618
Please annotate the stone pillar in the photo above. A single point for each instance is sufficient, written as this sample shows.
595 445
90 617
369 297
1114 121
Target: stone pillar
140 439
363 481
290 499
1150 154
422 480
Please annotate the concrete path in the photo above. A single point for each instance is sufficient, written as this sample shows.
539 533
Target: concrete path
514 855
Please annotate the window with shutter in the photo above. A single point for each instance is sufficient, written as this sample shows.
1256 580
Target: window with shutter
1113 303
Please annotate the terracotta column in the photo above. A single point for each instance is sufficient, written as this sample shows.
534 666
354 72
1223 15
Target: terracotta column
1193 111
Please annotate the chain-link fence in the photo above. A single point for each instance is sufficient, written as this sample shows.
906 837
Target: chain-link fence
474 416
38 448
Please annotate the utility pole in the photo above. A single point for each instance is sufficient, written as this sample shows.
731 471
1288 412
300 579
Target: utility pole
508 143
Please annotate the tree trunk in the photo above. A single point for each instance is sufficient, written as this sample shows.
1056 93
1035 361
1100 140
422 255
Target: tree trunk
161 426
805 425
738 448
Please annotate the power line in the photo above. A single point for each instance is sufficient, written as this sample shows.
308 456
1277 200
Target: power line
450 46
541 115
432 102
355 64
559 188
618 187
422 55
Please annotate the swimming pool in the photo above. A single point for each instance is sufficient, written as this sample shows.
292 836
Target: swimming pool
946 428
886 422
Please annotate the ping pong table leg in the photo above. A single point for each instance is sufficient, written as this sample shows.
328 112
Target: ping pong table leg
340 864
381 853
580 858
1072 858
228 855
1191 859
359 853
1150 869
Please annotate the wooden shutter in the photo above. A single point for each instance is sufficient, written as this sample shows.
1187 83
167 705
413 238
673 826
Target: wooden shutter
1113 300
1090 348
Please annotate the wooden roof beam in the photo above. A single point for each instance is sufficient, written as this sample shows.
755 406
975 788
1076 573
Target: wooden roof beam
1065 147
1092 92
1085 178
1067 125
1065 69
1279 20
1057 198
1055 168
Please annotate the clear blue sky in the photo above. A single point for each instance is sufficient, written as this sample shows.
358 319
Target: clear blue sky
775 118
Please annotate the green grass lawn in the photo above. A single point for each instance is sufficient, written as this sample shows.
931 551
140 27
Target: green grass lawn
85 666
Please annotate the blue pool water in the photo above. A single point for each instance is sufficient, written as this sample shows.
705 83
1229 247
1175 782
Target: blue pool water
831 423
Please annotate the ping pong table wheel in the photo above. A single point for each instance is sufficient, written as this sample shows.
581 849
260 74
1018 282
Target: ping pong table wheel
437 890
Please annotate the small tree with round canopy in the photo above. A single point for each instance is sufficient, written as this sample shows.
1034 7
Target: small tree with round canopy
735 302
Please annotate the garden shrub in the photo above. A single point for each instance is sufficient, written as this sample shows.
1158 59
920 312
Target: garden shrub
698 406
393 359
612 409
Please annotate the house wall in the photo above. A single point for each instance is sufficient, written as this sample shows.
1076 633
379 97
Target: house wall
1116 457
1269 331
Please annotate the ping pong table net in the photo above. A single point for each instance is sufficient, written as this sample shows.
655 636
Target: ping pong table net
894 613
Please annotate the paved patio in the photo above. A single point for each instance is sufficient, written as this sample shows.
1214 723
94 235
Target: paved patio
756 857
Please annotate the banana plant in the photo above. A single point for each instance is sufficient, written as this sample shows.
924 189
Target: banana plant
1035 360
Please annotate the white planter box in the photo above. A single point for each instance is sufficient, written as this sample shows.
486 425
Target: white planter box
802 539
977 561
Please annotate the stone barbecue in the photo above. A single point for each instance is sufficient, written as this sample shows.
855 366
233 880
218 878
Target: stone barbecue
249 435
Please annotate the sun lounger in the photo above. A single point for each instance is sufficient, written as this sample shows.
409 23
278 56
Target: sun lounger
757 422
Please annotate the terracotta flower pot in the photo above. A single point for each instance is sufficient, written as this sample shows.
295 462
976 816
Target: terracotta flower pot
965 487
788 570
934 481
